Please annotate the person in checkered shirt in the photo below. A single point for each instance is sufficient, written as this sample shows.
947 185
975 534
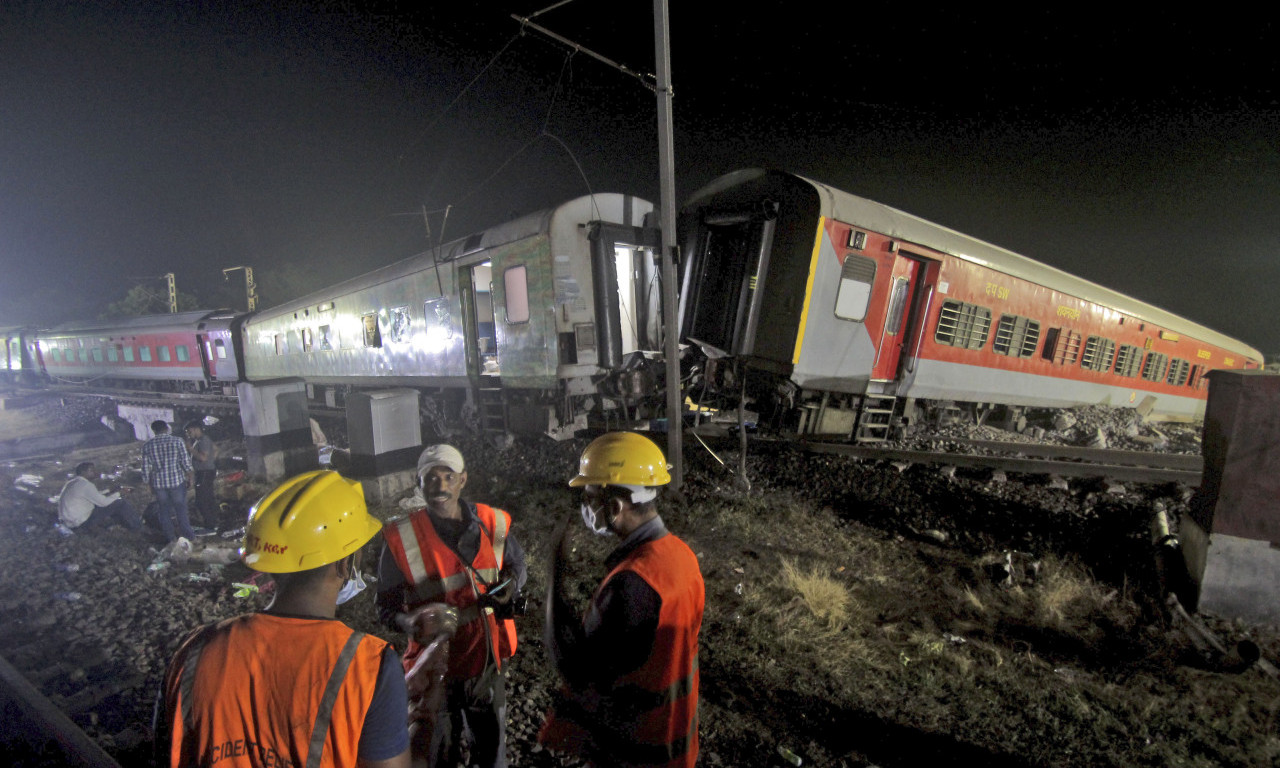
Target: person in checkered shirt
166 467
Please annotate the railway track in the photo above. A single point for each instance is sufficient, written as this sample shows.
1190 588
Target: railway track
1036 459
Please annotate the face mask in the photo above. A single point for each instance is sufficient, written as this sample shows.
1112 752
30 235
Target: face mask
352 588
589 517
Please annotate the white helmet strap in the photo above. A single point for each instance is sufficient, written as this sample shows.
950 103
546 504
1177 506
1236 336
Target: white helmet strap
640 493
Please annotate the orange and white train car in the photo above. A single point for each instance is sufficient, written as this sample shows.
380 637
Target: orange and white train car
858 313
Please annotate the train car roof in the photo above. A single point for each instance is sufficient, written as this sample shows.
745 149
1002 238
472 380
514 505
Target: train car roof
528 225
898 224
188 319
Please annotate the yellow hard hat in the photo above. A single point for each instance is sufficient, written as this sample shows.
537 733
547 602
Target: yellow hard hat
621 458
310 520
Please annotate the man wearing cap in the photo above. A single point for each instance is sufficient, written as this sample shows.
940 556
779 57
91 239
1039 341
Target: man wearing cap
463 555
630 665
291 684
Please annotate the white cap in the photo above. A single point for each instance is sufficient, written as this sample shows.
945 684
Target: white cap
440 455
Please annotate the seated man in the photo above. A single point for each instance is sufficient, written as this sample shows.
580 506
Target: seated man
82 505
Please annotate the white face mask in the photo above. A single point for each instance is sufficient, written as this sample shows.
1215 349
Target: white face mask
589 516
353 587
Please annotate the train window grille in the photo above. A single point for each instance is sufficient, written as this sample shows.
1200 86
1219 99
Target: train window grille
515 285
1128 360
1178 370
162 353
1061 346
1016 336
128 354
113 355
962 325
182 353
144 353
1098 354
96 352
56 354
1154 367
857 275
372 333
84 355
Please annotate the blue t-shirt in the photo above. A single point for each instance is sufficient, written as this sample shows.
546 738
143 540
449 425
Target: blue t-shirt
386 730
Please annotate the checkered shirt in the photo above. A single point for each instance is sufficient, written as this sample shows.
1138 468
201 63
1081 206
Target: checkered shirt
165 461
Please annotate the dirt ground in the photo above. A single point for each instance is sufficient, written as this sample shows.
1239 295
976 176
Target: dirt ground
857 613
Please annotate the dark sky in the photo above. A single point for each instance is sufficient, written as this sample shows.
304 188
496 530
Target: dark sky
304 139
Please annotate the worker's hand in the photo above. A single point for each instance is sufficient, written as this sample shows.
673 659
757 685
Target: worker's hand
428 622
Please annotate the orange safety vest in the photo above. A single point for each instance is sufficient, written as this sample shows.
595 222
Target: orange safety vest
438 575
261 690
648 717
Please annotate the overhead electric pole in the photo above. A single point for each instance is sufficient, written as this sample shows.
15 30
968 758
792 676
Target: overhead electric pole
667 204
173 293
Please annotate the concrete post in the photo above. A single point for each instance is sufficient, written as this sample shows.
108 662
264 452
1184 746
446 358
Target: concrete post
277 428
1231 536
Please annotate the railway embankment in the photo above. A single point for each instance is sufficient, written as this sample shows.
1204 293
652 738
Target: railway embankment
858 613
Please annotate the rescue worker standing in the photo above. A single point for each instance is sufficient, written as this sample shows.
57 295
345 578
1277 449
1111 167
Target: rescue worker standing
465 556
630 666
291 685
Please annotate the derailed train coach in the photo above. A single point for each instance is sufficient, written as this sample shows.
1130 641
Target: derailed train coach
18 361
190 351
841 316
531 325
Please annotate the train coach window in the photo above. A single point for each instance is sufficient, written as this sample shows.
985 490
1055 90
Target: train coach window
162 353
372 334
1153 368
56 355
1128 360
84 355
962 325
113 355
96 352
306 339
401 323
1178 371
1061 346
144 353
220 349
1099 353
327 339
183 354
436 312
1016 336
854 294
128 354
515 284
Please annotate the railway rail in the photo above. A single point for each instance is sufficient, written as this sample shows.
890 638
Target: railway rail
1038 459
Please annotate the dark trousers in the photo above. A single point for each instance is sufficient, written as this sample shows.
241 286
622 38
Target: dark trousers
172 505
118 511
475 708
206 502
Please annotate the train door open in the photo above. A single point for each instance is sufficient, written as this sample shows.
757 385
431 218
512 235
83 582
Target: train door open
476 282
904 275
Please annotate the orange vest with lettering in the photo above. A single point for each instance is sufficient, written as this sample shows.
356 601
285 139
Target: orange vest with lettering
649 717
438 575
263 690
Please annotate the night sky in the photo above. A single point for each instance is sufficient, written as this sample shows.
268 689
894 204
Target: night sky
305 139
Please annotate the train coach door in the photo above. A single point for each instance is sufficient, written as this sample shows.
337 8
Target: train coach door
894 335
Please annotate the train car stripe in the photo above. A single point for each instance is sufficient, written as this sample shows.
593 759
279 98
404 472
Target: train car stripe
808 288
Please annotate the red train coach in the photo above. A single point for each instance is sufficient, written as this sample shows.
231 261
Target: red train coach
858 314
185 351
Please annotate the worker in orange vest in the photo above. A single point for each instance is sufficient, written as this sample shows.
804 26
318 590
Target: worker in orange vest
462 555
630 666
291 684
